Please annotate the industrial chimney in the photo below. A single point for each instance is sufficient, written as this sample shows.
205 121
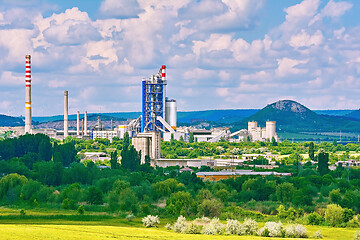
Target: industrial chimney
78 123
66 114
85 123
28 94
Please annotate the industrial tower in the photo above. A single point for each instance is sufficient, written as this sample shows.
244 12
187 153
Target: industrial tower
153 101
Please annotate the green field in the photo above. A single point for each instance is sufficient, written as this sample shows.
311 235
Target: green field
79 232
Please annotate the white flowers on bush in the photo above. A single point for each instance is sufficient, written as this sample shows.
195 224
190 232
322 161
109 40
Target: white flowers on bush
318 235
233 227
180 225
151 221
271 229
214 227
168 226
357 235
249 227
296 231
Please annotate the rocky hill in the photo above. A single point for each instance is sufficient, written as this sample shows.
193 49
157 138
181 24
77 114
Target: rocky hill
292 116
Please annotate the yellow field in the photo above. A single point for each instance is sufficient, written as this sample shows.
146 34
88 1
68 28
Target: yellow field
81 232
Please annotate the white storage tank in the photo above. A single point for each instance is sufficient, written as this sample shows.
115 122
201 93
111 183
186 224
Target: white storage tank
252 125
171 112
270 129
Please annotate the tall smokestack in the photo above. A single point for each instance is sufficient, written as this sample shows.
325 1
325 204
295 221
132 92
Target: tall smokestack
85 123
78 123
66 114
163 78
112 125
28 94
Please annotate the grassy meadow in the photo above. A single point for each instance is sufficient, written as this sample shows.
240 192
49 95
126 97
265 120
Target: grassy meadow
41 224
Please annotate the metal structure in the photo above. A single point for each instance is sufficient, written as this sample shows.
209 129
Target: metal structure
153 101
28 126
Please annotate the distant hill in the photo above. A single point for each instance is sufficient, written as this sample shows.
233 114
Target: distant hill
333 112
8 121
291 116
354 114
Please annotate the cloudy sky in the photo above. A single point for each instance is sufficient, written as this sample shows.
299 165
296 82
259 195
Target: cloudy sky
220 54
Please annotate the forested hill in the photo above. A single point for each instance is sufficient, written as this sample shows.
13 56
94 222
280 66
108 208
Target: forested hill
8 121
291 116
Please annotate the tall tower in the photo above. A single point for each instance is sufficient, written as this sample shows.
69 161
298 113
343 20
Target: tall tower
153 101
66 114
28 126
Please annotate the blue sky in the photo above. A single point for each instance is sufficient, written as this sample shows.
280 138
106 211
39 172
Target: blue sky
220 54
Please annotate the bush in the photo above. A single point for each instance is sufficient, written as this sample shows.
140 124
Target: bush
151 221
168 226
214 227
271 229
334 214
22 212
249 227
317 235
314 219
296 231
81 210
130 217
357 235
233 227
180 225
193 228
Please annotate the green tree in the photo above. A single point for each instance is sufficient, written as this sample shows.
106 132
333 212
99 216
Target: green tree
311 151
114 160
191 137
335 196
285 192
323 163
179 203
334 214
94 196
210 208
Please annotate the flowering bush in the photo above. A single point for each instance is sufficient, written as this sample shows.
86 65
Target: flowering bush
130 217
168 226
180 225
296 231
357 235
249 227
193 228
151 221
317 235
233 227
214 227
271 229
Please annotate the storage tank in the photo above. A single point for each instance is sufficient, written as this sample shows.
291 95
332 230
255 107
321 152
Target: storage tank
270 129
252 125
170 112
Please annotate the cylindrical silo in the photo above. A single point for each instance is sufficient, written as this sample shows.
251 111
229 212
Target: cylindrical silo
171 112
252 125
270 129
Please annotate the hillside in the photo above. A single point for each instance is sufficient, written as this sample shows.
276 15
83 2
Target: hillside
8 121
354 114
291 116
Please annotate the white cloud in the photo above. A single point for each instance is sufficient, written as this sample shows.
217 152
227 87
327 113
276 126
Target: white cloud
303 39
332 9
120 8
288 66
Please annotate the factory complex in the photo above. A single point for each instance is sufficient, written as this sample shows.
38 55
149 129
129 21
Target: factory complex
157 122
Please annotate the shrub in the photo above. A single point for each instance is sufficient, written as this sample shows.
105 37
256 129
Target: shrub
271 229
180 225
81 210
314 218
151 221
334 214
233 227
193 228
130 217
296 231
214 227
317 235
22 212
348 214
249 227
168 226
357 235
354 223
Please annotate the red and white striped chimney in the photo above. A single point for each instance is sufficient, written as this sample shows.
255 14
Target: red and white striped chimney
163 72
28 94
